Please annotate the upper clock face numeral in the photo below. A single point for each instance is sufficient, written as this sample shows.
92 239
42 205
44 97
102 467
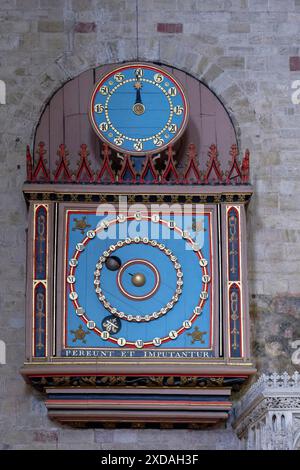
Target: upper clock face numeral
158 141
172 91
172 128
178 110
158 78
138 146
139 73
98 108
104 90
138 109
119 77
118 141
103 126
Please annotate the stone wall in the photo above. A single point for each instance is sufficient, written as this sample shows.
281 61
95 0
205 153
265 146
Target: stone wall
247 52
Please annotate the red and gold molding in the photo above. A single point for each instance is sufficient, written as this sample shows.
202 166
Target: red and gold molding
234 282
40 280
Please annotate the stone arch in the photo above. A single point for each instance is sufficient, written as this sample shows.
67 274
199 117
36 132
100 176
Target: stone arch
65 120
201 67
190 56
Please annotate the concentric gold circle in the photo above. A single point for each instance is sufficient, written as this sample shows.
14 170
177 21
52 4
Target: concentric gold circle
140 318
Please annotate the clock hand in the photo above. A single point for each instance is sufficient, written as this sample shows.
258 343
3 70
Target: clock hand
138 85
138 107
138 99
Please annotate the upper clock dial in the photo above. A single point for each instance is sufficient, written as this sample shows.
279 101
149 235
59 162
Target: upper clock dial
138 109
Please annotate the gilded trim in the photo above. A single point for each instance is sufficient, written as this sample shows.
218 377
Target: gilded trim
40 280
212 198
234 284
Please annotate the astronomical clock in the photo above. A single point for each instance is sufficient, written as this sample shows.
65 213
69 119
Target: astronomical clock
137 307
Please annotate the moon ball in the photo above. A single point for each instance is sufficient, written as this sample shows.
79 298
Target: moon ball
113 263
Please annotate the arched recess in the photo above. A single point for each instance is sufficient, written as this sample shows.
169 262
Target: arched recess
65 120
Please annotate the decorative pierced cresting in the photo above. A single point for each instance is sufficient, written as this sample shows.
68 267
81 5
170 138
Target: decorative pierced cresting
214 172
105 174
84 173
266 418
270 383
170 174
62 173
158 169
149 172
40 171
127 173
192 173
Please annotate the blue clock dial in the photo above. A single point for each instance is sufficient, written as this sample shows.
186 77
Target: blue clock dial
138 109
155 294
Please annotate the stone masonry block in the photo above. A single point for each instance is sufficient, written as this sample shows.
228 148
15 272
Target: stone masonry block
45 26
85 27
79 5
294 64
170 28
231 62
30 4
239 27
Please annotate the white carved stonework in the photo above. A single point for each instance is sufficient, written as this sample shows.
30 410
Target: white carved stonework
268 416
